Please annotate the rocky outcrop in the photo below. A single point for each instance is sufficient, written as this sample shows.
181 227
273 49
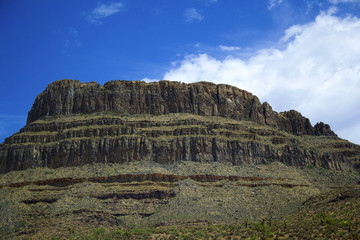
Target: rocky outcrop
323 129
134 97
66 97
73 123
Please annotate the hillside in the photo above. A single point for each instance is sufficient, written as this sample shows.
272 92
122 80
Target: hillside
75 201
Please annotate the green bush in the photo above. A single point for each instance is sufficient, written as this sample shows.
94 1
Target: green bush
99 231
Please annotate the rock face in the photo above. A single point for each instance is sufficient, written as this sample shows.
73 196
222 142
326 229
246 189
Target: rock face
73 123
66 97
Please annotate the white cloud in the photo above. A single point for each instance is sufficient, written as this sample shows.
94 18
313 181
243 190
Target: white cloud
343 1
192 15
351 133
229 48
274 3
103 11
148 80
73 32
73 38
316 73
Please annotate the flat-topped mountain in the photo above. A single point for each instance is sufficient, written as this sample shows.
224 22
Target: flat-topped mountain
73 123
99 162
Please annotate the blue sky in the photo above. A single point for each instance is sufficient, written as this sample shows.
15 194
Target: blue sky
295 54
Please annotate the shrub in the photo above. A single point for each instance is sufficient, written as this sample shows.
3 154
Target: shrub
99 231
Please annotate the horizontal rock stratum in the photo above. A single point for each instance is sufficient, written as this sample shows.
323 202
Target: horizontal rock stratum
73 123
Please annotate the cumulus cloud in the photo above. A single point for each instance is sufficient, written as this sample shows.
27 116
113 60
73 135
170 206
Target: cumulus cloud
192 15
103 11
317 72
229 48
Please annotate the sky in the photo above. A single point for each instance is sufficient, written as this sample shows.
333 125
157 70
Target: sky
294 54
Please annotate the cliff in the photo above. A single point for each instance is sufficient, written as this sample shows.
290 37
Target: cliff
73 123
65 97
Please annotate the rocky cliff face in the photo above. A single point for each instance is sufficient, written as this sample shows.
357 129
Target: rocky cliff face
73 123
67 97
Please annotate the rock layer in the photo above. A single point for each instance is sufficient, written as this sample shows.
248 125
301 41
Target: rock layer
73 123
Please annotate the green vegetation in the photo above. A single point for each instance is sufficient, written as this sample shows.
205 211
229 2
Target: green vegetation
79 214
313 226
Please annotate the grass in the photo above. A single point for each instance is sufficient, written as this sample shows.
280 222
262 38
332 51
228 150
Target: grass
40 133
313 226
